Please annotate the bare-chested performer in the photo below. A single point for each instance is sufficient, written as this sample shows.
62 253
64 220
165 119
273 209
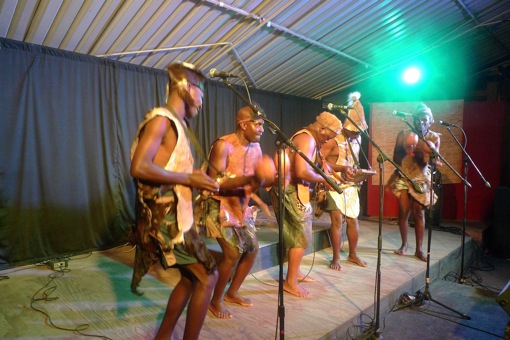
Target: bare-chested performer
229 219
297 224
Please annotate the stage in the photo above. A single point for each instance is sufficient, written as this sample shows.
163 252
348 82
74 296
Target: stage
94 290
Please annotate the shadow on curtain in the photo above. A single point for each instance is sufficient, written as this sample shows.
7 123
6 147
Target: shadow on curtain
68 121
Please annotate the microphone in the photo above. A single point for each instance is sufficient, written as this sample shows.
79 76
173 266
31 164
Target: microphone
214 73
332 107
262 115
257 111
445 123
402 114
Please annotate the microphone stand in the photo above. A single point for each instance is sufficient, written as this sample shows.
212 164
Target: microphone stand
281 143
380 159
467 159
426 295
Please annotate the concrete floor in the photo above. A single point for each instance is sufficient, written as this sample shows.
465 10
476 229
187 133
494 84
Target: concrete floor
475 297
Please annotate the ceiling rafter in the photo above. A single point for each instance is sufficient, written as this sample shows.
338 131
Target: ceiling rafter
177 48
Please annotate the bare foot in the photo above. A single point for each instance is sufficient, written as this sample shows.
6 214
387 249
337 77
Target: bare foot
419 254
245 302
304 278
335 264
295 290
402 250
357 261
219 311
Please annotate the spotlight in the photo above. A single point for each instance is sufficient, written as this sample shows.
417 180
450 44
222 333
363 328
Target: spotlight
411 75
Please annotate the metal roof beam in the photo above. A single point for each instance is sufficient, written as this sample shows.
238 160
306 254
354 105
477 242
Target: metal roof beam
288 31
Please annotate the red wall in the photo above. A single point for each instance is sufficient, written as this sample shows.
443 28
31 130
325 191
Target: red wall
484 124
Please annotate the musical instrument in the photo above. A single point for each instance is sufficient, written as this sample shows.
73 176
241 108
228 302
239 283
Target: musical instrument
321 191
362 175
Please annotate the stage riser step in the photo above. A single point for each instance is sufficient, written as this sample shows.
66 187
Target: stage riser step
268 251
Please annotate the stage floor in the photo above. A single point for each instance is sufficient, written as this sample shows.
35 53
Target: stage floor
92 296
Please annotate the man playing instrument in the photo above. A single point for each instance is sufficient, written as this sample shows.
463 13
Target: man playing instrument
342 156
412 155
297 223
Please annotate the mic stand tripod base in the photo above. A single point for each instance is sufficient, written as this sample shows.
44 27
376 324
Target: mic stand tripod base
427 296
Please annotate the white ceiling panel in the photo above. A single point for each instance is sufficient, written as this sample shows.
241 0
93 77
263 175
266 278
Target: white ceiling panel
305 48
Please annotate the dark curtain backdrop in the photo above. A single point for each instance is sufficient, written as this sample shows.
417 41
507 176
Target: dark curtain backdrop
67 123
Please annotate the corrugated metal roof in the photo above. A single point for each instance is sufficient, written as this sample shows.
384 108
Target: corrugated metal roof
310 49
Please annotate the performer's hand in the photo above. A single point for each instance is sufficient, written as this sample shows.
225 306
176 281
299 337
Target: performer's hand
423 151
253 182
428 150
411 143
350 172
198 179
337 177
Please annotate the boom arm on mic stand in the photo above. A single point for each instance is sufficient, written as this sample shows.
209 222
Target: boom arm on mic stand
214 73
437 154
332 107
382 155
401 114
464 152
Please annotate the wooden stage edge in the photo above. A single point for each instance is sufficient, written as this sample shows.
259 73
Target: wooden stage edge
95 290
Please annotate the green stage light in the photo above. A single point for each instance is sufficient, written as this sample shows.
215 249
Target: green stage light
411 75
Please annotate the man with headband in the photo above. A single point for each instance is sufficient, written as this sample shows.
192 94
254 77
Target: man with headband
227 217
412 155
342 156
297 223
162 169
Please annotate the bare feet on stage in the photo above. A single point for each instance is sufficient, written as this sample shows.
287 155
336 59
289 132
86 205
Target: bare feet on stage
304 278
357 260
219 311
402 250
295 290
245 302
419 254
335 265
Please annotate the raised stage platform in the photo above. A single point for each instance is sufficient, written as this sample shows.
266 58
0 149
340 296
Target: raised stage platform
94 290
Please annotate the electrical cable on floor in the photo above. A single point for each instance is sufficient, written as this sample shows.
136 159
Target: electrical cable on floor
479 262
365 328
451 230
17 269
388 313
472 278
76 257
46 291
